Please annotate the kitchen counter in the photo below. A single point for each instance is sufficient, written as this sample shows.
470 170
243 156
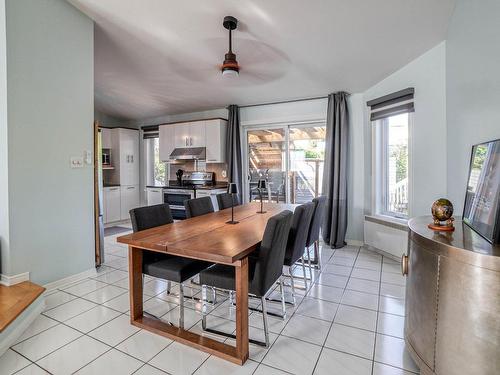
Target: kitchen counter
172 186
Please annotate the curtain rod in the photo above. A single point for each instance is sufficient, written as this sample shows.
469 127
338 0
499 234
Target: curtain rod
283 102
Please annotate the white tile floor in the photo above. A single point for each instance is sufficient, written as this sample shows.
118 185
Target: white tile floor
349 322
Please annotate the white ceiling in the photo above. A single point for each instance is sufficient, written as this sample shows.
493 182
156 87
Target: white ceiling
157 57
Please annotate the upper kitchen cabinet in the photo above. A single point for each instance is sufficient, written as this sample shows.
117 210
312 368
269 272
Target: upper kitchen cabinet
167 141
181 134
215 140
125 147
189 134
204 133
197 134
105 138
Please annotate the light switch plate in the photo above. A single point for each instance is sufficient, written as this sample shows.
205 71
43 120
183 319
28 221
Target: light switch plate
76 162
87 155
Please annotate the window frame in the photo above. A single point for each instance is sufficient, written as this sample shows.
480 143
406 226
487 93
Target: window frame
380 162
149 161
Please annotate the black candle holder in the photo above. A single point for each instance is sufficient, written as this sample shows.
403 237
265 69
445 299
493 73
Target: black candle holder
261 185
233 190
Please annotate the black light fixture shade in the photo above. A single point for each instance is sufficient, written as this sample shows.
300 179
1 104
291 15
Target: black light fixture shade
261 185
233 190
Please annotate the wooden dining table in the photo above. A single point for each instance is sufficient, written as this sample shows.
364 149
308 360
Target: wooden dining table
209 238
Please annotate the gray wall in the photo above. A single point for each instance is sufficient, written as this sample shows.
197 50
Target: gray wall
473 87
427 133
50 118
4 174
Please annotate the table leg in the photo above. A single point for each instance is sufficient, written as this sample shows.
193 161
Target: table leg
135 282
242 309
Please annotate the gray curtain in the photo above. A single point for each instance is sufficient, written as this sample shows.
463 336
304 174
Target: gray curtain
233 149
335 170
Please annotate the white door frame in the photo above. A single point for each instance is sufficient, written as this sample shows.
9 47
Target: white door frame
270 126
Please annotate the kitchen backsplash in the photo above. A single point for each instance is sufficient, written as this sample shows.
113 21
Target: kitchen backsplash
189 165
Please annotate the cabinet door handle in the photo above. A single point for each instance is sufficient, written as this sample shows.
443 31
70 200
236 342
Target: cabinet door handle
190 141
404 264
130 188
186 141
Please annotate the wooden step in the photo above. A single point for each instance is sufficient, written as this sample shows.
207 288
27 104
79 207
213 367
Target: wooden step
15 299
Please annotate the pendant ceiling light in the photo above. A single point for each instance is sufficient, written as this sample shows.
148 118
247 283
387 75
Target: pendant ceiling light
230 66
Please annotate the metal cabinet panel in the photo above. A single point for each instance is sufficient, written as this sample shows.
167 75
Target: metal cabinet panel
421 302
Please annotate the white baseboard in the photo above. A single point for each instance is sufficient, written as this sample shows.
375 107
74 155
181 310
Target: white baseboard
70 279
22 322
15 279
354 242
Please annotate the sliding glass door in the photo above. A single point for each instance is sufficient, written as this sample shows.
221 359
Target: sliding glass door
289 157
267 160
306 157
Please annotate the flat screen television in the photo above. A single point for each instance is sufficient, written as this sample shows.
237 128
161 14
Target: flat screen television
482 200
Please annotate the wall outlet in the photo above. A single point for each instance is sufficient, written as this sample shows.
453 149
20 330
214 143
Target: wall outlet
224 173
76 162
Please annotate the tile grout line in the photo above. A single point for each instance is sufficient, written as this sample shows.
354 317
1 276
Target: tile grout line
336 312
376 321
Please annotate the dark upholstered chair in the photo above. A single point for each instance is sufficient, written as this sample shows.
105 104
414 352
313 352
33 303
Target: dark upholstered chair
297 241
198 206
225 200
264 269
164 266
313 235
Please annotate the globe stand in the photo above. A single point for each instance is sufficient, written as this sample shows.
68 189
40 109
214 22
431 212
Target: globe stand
438 227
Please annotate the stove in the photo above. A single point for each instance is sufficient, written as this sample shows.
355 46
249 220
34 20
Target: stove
175 194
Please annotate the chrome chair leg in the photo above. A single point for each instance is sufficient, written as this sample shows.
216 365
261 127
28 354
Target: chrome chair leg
214 296
181 306
292 286
317 254
304 272
282 292
309 264
264 318
204 307
230 335
169 285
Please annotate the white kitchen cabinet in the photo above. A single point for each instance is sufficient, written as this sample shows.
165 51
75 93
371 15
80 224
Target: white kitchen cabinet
130 198
154 196
197 134
212 193
105 138
111 204
189 134
125 156
205 133
215 140
166 141
181 135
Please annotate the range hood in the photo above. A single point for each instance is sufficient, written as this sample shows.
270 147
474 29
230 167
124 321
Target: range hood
189 153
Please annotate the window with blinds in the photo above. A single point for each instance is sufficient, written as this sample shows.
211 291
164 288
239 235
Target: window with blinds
391 117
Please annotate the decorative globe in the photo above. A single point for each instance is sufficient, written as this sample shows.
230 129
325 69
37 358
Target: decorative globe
442 209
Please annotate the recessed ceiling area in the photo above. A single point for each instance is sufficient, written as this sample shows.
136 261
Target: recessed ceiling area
158 57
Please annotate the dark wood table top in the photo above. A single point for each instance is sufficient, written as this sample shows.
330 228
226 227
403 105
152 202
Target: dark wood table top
209 237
